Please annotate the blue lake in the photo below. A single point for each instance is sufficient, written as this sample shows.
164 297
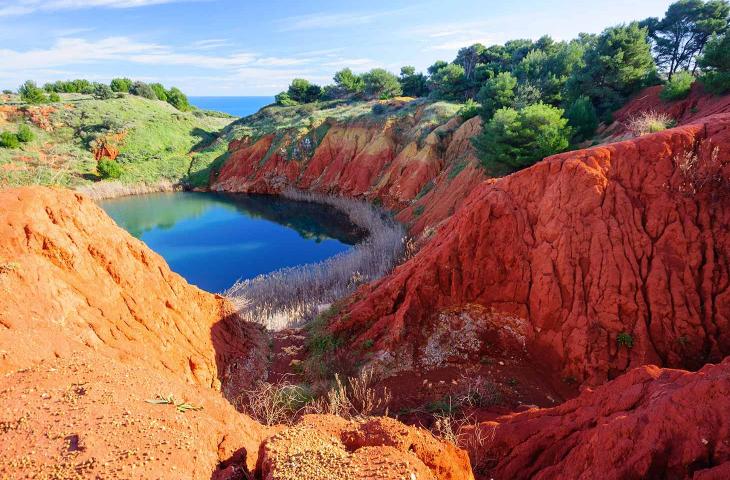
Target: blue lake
238 106
214 239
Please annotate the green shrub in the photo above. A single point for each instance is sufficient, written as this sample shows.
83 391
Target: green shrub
582 117
30 93
25 134
379 109
103 92
413 84
178 99
9 140
470 109
301 91
625 339
54 97
513 139
677 87
380 83
349 82
285 100
143 90
159 90
121 85
496 93
449 82
109 169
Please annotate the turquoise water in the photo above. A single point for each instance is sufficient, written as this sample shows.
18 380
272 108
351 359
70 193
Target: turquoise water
238 106
214 239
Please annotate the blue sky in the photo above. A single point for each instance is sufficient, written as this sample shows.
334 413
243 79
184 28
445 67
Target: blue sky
225 47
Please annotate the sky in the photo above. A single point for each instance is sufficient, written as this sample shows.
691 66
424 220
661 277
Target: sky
246 47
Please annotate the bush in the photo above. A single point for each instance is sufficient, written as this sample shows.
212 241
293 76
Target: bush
583 118
349 82
379 109
159 90
30 93
9 140
178 99
413 84
285 100
625 339
449 82
103 92
715 65
677 87
380 83
109 169
141 89
121 85
54 97
301 91
497 92
648 122
25 134
469 110
513 139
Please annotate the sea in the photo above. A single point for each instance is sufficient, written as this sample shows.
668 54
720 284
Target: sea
237 106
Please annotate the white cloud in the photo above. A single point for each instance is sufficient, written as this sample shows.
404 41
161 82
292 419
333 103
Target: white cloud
23 7
334 20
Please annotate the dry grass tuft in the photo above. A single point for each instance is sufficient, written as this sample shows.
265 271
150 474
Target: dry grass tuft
701 172
648 122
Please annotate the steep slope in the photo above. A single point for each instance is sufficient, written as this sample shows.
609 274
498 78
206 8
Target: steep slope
414 160
649 423
616 256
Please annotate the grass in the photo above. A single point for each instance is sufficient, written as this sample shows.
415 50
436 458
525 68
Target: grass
648 122
181 407
156 142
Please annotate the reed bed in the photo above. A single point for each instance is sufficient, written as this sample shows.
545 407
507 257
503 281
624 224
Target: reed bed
292 296
104 190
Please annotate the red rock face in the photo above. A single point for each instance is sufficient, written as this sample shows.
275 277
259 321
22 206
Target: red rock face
422 180
649 423
585 246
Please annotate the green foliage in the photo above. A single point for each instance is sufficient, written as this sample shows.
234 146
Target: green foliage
549 68
413 84
456 169
513 139
9 140
30 93
25 134
617 65
178 99
449 82
582 117
53 97
109 169
143 90
285 100
715 64
349 82
498 92
677 87
301 91
380 83
469 110
160 91
103 92
70 86
122 85
625 339
681 36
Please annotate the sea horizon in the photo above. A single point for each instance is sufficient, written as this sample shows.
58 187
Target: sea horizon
238 105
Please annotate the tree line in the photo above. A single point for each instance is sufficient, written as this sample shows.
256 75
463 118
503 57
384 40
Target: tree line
539 97
30 92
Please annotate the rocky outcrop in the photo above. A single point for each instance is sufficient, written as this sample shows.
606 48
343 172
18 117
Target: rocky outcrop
649 423
418 169
616 256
